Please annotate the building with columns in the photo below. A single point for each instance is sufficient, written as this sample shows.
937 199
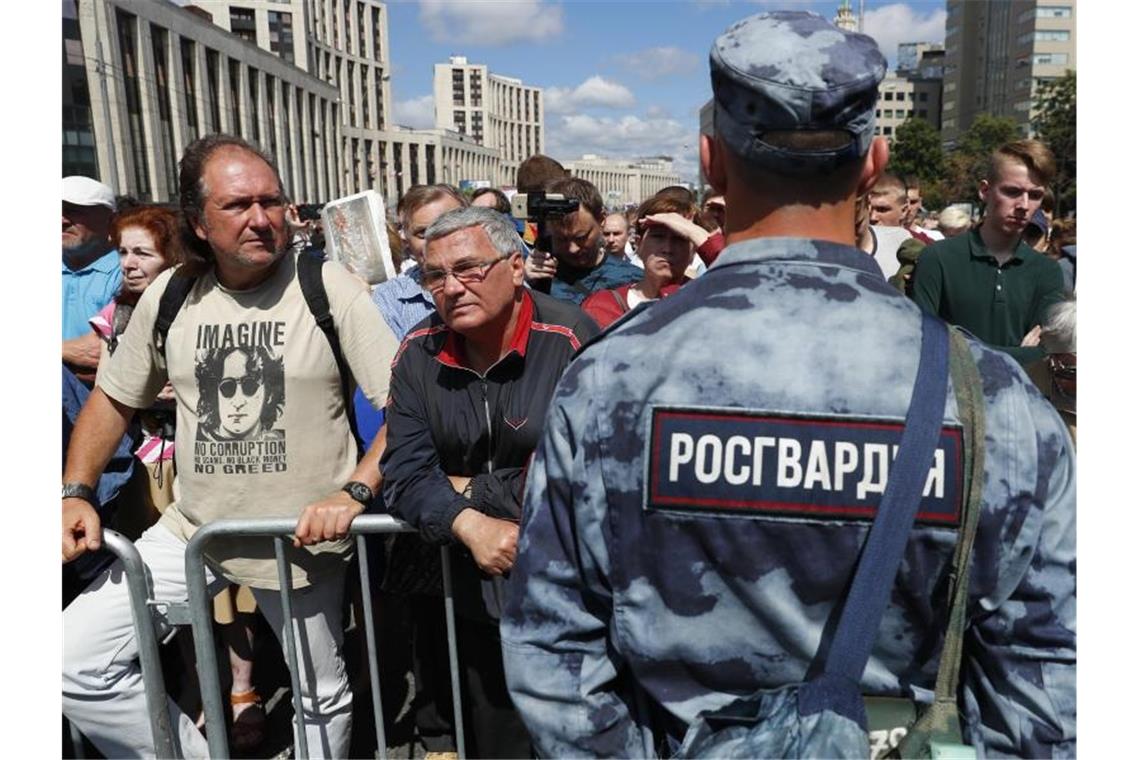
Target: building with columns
428 156
341 42
149 78
497 111
625 183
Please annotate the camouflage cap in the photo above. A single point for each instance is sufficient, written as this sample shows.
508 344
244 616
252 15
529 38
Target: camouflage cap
792 70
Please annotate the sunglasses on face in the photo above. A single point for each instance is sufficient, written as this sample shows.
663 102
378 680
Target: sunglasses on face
229 386
466 272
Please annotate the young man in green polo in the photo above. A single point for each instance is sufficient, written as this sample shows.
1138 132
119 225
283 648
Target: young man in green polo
988 280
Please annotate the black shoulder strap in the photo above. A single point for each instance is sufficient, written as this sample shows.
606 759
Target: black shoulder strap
309 265
177 289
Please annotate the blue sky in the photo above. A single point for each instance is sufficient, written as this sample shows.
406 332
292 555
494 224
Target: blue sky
621 79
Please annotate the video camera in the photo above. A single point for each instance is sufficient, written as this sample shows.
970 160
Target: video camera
540 208
309 212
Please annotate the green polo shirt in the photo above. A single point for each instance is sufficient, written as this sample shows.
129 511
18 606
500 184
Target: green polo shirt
960 281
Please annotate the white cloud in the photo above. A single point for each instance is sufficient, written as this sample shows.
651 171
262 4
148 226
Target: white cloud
417 113
624 137
490 23
595 91
658 62
656 112
891 24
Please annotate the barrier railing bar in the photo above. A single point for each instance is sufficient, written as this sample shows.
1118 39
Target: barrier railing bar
139 589
285 580
202 624
202 621
452 650
371 645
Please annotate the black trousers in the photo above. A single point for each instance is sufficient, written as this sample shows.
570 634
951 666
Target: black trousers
493 727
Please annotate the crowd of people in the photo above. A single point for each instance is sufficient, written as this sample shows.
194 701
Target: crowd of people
580 406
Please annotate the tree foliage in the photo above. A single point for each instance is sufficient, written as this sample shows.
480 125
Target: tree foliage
917 150
1055 124
965 166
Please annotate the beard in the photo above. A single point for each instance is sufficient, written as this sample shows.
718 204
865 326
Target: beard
85 251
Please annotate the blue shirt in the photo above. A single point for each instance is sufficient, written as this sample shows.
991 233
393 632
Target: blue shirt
575 285
402 302
87 290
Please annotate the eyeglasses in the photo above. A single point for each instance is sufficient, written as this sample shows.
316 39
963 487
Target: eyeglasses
466 272
229 386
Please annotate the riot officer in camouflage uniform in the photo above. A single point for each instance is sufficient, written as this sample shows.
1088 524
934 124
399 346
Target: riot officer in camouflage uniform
691 524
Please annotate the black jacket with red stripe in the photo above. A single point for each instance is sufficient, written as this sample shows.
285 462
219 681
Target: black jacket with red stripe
445 419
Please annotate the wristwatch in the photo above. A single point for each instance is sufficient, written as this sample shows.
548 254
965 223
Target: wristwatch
359 492
81 491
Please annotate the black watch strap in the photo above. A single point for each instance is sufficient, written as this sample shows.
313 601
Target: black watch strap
359 492
81 491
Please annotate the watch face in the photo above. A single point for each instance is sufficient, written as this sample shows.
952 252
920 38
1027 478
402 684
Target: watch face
359 492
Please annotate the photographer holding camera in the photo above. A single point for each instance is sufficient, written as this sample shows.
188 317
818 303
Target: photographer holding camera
576 264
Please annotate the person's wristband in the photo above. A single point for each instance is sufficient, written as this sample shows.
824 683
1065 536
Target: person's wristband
81 491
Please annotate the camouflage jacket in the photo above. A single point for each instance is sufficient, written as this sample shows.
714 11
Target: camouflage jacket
672 559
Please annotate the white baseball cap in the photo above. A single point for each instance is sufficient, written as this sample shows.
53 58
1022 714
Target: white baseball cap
84 191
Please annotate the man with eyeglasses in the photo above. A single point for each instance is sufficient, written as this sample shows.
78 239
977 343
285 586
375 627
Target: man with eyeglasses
470 389
988 280
263 431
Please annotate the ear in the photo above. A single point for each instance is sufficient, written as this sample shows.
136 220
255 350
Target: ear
984 190
874 165
199 227
518 269
712 163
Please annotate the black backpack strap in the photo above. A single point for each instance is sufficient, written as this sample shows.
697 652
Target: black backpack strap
177 290
309 264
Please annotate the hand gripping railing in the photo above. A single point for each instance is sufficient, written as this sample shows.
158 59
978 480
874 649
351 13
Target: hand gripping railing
281 530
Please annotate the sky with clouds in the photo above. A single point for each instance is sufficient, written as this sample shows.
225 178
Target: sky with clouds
621 79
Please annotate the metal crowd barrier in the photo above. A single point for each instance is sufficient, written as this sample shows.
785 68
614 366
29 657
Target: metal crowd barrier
146 623
201 619
151 616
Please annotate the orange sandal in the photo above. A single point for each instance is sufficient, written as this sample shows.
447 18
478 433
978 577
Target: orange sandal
249 724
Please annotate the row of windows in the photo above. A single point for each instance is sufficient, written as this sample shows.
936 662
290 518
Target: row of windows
1046 11
890 95
898 113
1044 35
1045 59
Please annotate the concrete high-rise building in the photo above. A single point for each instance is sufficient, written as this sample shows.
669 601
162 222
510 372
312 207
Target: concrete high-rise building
998 53
911 53
622 183
79 155
906 97
343 43
159 76
497 111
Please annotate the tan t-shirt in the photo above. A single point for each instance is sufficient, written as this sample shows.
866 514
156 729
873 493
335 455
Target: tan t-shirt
262 426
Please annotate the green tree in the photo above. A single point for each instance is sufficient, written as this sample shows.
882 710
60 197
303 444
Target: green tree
1055 124
968 162
917 150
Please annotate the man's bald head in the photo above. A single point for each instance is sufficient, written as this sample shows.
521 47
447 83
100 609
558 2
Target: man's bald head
615 234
